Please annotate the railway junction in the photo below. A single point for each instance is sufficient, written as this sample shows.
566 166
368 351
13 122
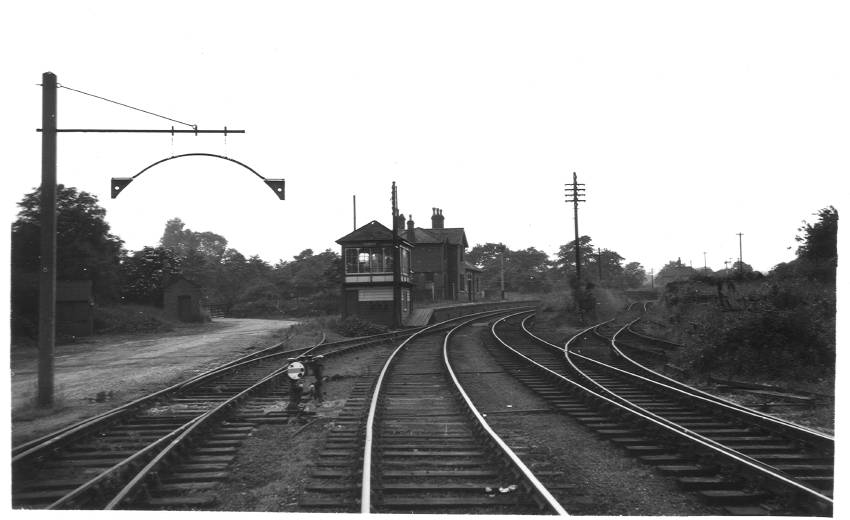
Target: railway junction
483 411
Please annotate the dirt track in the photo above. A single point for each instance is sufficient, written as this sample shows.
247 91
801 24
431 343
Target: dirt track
99 373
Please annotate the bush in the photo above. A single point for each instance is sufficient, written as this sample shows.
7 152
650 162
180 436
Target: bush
353 327
130 318
779 345
255 309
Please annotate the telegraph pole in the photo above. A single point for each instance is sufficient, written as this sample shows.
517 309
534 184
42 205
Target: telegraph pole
652 278
396 263
47 208
704 263
502 270
575 195
354 209
599 261
47 274
740 254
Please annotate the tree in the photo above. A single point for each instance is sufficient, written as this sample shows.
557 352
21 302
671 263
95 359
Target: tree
566 257
85 249
144 272
488 258
182 241
819 242
526 271
674 271
633 275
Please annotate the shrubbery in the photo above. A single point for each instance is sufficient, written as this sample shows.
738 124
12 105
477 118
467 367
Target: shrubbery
353 327
130 319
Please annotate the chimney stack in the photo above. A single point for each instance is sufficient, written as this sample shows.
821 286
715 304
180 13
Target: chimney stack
410 228
437 218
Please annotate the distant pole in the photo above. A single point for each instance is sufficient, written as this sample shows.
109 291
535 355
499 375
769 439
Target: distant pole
652 278
726 265
704 263
396 262
47 275
502 269
740 254
599 261
574 194
354 209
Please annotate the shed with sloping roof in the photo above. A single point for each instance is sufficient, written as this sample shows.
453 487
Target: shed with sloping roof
74 308
181 299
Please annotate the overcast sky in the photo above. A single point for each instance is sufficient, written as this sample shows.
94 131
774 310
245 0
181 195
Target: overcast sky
688 123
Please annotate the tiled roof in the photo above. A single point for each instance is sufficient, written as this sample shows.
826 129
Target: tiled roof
453 235
424 236
372 232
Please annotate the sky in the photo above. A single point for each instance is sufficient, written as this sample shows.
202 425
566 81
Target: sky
688 123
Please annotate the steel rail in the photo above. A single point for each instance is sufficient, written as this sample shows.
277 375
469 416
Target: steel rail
682 388
203 420
366 477
520 466
195 422
757 467
641 335
113 471
55 438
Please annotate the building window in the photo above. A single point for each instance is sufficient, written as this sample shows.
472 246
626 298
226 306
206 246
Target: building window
368 260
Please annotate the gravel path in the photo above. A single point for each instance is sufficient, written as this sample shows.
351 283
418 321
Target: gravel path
102 372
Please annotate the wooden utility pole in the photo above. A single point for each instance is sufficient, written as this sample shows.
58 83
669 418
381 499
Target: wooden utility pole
599 261
502 270
47 209
354 209
47 274
574 194
396 263
740 254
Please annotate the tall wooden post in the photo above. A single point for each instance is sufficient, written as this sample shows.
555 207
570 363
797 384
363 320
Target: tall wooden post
47 274
396 263
575 218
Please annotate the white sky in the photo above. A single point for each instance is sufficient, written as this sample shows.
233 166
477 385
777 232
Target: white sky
688 121
688 124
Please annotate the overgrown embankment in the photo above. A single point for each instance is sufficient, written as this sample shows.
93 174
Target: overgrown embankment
767 329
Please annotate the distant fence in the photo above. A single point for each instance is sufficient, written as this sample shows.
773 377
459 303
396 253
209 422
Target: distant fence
216 310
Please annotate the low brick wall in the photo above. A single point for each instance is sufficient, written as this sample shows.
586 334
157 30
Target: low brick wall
445 313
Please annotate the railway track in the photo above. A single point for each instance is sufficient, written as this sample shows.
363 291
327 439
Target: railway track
744 461
165 449
427 449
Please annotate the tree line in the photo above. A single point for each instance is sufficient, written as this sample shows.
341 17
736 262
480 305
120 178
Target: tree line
532 271
87 250
308 284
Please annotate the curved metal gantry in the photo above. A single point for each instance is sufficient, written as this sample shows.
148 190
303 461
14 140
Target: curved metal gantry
119 183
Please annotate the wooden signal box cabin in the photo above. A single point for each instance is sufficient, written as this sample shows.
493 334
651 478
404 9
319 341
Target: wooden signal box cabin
367 289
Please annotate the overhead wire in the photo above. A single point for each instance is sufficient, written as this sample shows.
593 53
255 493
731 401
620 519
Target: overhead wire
195 127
